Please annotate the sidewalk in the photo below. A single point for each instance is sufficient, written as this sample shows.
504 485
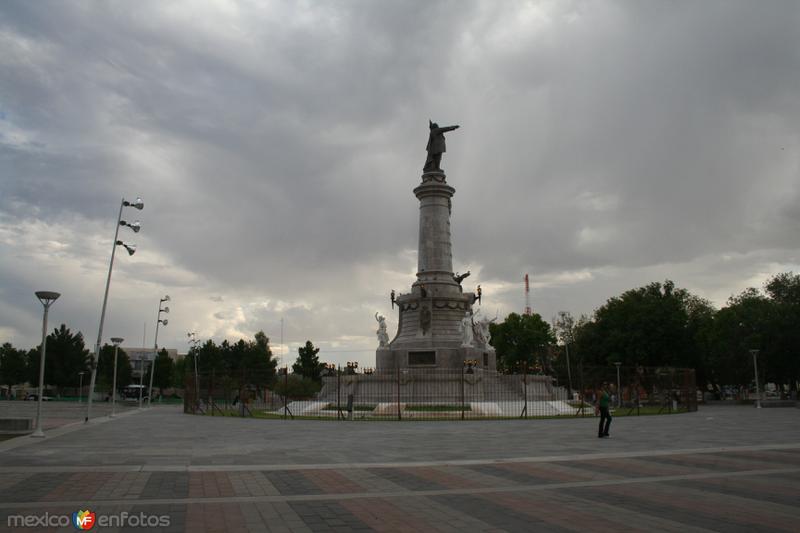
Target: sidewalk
705 471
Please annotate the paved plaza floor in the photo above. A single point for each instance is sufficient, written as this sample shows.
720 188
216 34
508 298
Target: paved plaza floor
719 469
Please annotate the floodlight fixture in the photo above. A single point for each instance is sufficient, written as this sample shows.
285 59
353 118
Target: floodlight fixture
135 226
138 203
131 248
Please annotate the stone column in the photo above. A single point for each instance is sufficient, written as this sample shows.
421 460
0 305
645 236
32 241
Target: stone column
435 255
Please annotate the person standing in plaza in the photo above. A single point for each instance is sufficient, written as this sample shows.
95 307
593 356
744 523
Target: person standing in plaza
603 400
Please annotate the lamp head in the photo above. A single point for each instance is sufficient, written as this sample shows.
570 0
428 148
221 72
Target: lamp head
130 247
117 340
135 226
47 297
164 321
165 310
138 204
165 298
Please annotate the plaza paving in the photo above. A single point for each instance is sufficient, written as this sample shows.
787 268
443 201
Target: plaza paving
720 469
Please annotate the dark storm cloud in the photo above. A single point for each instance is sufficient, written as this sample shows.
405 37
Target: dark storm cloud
276 146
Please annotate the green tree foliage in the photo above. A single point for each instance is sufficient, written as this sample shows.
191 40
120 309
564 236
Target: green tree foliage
182 365
165 370
105 369
737 328
783 348
13 365
565 329
308 364
521 338
650 326
767 322
250 361
66 357
296 387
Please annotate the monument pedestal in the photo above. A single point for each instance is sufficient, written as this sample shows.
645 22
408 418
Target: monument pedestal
430 332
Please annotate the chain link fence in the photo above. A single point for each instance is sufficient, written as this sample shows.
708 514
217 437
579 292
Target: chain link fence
436 394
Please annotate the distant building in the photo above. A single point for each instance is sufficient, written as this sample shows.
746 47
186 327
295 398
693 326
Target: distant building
141 357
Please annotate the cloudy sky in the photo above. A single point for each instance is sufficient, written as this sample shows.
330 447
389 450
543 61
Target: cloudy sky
603 145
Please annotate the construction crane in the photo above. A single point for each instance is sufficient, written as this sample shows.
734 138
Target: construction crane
527 296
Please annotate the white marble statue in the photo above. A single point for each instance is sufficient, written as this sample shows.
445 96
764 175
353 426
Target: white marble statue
383 336
467 335
485 333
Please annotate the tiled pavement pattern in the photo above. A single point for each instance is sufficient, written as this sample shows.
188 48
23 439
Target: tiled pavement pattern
707 471
739 489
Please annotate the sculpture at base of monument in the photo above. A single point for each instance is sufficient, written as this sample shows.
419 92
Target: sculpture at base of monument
483 334
467 335
383 336
461 277
436 146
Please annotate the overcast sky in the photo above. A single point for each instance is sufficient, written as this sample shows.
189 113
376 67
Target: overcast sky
603 145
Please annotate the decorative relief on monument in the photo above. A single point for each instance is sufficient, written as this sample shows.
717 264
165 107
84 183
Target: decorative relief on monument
438 178
467 334
444 304
425 319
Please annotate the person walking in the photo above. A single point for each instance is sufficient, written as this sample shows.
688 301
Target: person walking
603 401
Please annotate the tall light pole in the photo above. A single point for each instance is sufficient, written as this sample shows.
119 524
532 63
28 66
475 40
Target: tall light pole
117 341
80 386
47 298
755 370
194 341
131 248
619 388
159 320
569 371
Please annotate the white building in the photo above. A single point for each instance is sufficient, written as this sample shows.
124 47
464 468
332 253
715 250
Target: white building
141 357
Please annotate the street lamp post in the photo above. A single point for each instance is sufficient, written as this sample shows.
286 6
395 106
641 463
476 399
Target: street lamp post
159 320
131 248
194 342
619 388
47 298
569 371
755 370
80 386
117 341
142 361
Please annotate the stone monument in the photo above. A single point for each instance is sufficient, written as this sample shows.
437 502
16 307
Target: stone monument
436 329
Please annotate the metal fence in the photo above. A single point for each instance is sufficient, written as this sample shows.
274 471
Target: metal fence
434 394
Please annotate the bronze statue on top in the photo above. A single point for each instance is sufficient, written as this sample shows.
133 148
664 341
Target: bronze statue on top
436 146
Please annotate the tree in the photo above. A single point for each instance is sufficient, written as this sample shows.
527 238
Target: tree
738 328
647 326
105 368
260 362
165 368
182 365
565 330
296 387
307 364
13 365
521 338
783 355
248 360
66 357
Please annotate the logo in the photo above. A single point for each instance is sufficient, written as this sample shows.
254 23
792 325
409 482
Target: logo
83 520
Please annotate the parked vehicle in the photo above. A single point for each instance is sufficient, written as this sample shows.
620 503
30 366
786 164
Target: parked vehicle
35 397
131 393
